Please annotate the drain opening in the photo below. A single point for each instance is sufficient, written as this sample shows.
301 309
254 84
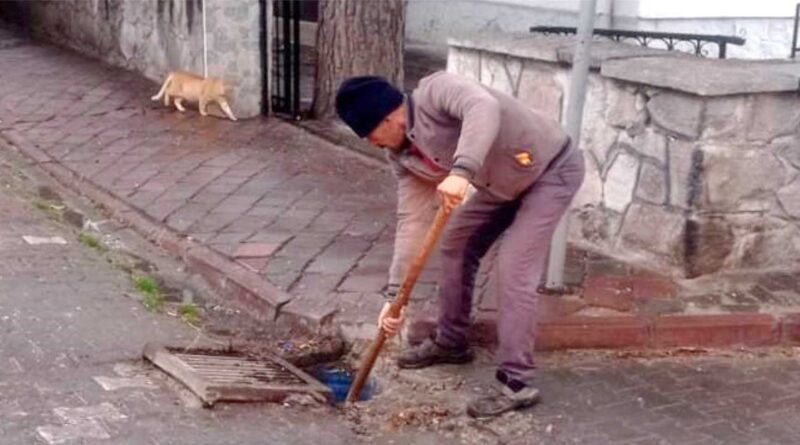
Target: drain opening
339 378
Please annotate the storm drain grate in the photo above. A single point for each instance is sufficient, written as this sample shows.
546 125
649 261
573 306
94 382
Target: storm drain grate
234 377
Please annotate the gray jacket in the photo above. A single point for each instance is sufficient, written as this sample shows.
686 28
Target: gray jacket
465 128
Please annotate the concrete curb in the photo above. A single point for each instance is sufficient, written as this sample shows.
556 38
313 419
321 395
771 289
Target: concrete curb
233 281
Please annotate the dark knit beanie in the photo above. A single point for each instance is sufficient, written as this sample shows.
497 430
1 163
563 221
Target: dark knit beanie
363 102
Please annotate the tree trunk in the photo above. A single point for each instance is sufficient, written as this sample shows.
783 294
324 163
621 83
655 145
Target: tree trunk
357 37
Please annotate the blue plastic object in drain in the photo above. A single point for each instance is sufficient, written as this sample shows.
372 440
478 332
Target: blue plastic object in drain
339 381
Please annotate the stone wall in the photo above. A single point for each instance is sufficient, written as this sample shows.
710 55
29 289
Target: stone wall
234 50
157 36
692 164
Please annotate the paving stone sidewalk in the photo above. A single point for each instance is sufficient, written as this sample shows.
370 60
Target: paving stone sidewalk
684 396
73 329
311 217
65 384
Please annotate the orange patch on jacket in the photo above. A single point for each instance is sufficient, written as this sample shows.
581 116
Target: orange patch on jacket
524 159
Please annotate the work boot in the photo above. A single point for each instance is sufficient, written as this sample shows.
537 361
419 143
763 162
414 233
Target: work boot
430 353
509 395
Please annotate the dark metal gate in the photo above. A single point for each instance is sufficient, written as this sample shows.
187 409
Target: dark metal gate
285 69
796 48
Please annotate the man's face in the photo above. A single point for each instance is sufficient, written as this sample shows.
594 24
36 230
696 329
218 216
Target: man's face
391 132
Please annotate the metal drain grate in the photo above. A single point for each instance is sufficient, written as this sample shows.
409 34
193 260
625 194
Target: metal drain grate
233 377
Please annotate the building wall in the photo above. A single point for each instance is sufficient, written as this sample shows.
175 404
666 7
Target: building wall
767 26
683 9
766 38
432 22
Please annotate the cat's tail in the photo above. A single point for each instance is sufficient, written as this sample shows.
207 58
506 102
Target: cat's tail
226 109
163 89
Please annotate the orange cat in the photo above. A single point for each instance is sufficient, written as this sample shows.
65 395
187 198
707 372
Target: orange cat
181 86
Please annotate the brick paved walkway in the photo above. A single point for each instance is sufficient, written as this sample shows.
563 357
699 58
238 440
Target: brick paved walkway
278 200
317 221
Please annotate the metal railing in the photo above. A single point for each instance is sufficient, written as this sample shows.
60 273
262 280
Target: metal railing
796 48
672 41
286 63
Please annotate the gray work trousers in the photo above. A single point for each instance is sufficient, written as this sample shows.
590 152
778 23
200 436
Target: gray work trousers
528 224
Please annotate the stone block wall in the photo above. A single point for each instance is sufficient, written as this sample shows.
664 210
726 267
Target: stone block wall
154 37
234 50
693 165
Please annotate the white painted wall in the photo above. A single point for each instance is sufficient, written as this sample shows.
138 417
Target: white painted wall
433 21
559 5
685 9
766 38
765 24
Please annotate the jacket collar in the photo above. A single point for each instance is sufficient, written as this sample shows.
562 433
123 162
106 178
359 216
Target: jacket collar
410 117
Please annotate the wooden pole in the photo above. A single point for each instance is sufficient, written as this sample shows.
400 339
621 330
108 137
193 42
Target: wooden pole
400 301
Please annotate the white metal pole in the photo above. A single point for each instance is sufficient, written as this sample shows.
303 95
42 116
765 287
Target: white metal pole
205 42
577 97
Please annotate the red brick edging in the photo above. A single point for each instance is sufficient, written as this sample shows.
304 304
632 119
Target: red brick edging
705 330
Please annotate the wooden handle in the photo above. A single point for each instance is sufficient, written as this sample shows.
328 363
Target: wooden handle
400 301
